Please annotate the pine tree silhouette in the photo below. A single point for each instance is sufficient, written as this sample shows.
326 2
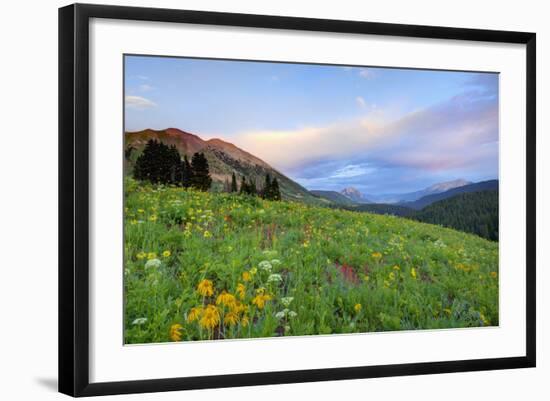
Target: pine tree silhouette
233 182
201 179
276 192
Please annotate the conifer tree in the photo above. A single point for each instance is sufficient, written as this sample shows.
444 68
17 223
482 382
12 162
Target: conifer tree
267 191
186 172
201 179
276 192
233 182
244 186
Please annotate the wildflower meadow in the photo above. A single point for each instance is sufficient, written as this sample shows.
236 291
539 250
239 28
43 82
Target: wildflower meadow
214 266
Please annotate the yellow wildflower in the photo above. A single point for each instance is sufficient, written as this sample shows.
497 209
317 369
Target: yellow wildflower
151 255
357 308
260 300
239 307
153 218
141 255
141 211
413 273
244 321
241 290
210 317
247 276
493 274
166 253
206 288
366 278
194 314
447 311
226 299
207 234
231 319
376 255
254 270
175 332
396 267
391 276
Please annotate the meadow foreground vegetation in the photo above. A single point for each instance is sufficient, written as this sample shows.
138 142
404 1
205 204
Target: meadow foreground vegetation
205 266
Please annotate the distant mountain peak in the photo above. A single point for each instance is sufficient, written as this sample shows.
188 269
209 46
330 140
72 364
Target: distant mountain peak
354 194
445 186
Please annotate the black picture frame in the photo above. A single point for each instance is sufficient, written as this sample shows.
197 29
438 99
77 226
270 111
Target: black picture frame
74 198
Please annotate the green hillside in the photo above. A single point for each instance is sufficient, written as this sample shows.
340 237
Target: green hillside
202 265
474 212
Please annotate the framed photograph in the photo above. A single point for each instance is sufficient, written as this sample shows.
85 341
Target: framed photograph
250 199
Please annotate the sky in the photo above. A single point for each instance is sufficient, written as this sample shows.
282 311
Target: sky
380 130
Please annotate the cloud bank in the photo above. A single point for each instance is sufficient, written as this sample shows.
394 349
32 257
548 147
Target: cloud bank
138 102
459 135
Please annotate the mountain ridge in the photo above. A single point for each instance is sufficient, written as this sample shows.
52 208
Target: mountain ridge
224 159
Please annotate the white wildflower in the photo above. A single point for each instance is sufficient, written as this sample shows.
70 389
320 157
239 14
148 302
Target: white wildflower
274 278
265 265
153 263
287 300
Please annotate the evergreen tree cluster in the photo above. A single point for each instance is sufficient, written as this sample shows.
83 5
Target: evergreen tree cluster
474 212
270 190
162 164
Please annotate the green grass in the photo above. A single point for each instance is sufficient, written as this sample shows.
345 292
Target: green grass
404 275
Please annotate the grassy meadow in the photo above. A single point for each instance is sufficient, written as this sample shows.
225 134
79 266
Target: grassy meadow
205 266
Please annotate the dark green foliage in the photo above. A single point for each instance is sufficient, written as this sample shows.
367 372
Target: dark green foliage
233 182
174 166
267 190
474 212
275 191
383 208
271 190
186 173
244 186
162 164
158 163
201 179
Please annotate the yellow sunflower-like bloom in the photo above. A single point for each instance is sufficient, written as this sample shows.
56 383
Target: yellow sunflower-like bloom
166 253
413 273
376 255
175 332
151 255
141 255
260 300
239 307
231 319
241 290
226 299
357 308
247 276
210 317
244 321
194 314
206 288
